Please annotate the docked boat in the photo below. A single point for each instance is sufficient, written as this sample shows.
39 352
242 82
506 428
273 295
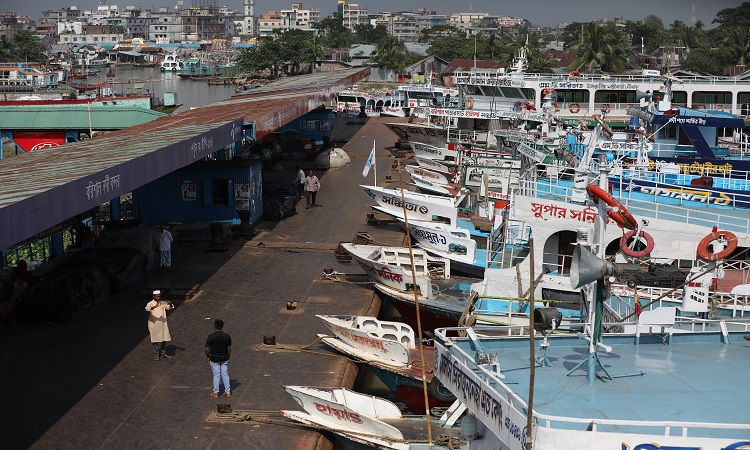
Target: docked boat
653 365
391 351
361 418
172 62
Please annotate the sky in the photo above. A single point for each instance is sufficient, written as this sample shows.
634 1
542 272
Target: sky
538 12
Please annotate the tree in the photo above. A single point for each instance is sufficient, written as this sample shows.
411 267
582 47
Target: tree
734 17
447 42
22 47
739 43
704 61
368 34
646 32
391 54
539 62
333 32
603 47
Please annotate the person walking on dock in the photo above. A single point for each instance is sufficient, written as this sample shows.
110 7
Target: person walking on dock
312 186
165 248
218 351
157 324
299 182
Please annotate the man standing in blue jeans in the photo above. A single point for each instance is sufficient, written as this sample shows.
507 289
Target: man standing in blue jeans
218 351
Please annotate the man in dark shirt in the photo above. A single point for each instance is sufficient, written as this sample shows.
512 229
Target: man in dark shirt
218 351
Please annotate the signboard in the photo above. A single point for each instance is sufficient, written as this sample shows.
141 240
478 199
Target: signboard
476 114
532 154
35 140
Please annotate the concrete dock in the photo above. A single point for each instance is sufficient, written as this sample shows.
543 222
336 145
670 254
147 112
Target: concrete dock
92 383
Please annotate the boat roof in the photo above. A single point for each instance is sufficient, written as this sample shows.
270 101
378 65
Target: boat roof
705 118
695 378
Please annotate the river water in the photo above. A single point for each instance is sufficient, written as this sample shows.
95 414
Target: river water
190 93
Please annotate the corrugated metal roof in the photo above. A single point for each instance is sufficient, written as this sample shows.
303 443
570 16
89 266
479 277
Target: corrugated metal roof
46 187
74 117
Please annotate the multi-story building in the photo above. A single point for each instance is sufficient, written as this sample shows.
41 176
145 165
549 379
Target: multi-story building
466 20
200 23
288 19
93 35
167 28
303 18
65 14
352 14
9 25
407 25
137 22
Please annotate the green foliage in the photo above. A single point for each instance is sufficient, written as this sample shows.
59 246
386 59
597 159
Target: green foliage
391 54
734 17
333 32
539 63
368 34
447 42
22 47
709 61
738 41
602 47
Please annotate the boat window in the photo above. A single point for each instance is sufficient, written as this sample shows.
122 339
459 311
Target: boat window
711 98
572 96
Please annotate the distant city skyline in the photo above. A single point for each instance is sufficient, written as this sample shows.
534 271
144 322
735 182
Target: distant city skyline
539 12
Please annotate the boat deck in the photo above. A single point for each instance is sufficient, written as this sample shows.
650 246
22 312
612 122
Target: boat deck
697 378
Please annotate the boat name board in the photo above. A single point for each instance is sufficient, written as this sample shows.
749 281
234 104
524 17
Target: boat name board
531 153
706 168
587 85
429 236
558 212
339 414
489 81
693 195
491 115
385 273
395 201
619 145
492 409
367 342
428 88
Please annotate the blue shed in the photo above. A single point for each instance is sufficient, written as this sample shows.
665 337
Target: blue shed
206 191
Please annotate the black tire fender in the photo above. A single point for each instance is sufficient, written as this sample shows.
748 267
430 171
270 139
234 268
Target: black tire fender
439 392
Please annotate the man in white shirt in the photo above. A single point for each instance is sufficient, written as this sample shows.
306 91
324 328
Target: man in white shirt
299 181
165 248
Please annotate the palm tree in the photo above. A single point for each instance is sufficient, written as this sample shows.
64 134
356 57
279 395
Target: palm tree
603 47
739 42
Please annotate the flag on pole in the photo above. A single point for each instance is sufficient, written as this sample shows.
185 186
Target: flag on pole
370 161
638 307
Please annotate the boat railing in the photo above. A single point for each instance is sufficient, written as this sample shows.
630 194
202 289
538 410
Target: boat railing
622 304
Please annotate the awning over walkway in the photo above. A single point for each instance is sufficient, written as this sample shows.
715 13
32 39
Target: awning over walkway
41 189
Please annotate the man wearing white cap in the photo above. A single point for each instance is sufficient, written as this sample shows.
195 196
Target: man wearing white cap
157 324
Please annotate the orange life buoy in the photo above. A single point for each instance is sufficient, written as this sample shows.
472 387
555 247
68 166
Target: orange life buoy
728 237
622 217
574 108
529 106
547 91
469 102
575 73
605 108
636 253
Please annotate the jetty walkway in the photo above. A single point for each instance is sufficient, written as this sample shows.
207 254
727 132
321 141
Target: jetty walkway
92 383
